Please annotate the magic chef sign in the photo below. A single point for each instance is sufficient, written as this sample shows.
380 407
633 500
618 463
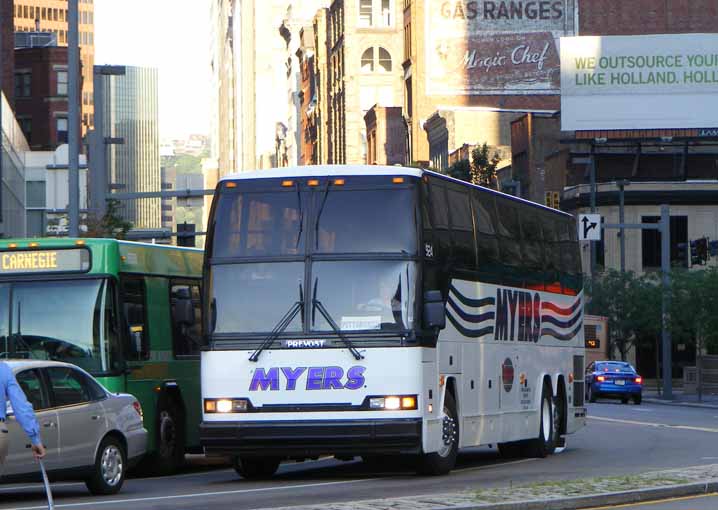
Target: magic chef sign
495 46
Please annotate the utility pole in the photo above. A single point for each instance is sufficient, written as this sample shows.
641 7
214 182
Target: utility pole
666 302
592 170
73 99
621 219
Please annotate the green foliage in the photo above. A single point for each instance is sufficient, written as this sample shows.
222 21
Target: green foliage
694 308
460 170
112 224
187 164
632 305
484 166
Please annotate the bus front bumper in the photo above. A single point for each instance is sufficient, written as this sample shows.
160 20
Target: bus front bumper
312 438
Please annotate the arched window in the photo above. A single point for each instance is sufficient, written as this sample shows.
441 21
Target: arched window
384 60
367 61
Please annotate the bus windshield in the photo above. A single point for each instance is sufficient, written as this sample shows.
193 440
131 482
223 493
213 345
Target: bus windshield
69 320
346 254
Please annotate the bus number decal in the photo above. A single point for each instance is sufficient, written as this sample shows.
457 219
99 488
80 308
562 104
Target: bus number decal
318 378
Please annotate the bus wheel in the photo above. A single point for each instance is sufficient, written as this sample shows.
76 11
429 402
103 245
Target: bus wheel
169 456
255 468
545 443
443 461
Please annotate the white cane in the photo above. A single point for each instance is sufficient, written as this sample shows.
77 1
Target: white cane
50 503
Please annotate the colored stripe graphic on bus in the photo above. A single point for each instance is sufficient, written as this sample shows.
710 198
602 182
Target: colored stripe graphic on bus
562 336
481 319
564 322
561 311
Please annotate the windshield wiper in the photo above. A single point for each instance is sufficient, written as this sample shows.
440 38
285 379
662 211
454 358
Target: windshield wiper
319 214
301 216
283 323
317 305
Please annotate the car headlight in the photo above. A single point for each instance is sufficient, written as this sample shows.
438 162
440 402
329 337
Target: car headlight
225 405
393 403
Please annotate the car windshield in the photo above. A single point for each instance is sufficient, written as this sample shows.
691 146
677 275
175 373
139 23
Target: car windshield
72 321
614 367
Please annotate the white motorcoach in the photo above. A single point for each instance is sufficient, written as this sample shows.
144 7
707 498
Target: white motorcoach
379 311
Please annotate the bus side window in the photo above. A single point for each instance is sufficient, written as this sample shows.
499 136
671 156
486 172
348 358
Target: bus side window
532 246
186 315
462 229
509 239
487 240
440 222
133 305
570 258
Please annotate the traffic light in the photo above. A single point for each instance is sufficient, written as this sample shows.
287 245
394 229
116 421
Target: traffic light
683 255
553 199
186 240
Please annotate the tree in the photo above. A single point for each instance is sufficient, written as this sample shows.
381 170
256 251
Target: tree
112 224
484 166
460 170
693 317
632 306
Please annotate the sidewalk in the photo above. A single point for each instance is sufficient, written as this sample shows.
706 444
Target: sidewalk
554 495
709 401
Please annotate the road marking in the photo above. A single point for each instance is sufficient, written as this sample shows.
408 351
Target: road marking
480 468
656 425
654 502
192 495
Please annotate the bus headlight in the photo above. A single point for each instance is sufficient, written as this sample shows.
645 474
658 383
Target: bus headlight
393 403
225 405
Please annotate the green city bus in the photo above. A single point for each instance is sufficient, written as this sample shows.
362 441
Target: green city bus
128 313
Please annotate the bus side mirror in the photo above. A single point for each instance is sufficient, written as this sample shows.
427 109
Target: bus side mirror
184 312
434 310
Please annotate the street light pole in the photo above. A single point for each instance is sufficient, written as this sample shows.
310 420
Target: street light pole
73 138
666 302
621 219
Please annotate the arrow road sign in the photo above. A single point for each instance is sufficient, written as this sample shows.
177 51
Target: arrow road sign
589 228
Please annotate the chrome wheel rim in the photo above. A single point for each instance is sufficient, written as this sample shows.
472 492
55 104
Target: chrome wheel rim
448 434
168 434
112 465
546 418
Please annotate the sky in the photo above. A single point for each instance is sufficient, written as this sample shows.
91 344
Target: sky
172 35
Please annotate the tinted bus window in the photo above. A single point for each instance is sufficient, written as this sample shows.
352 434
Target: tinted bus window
532 248
487 239
259 224
439 220
509 233
462 229
361 221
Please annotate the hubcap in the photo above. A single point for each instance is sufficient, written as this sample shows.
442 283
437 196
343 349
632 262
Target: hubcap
111 465
168 435
546 418
448 434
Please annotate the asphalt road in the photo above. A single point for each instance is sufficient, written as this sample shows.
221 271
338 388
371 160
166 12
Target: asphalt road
619 439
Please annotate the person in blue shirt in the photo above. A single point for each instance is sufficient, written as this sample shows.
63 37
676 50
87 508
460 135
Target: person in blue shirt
25 416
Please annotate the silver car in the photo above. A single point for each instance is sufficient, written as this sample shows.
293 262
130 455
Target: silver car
90 434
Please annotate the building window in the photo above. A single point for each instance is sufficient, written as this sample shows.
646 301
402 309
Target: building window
386 13
367 61
365 13
26 127
62 83
44 13
35 194
61 124
384 60
651 241
23 84
25 13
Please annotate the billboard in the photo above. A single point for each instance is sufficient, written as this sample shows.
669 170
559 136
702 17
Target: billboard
488 47
639 82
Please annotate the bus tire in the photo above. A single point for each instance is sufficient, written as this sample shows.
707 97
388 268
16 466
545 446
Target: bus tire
255 468
169 438
110 468
443 461
545 443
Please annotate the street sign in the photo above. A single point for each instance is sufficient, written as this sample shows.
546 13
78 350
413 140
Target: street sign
589 227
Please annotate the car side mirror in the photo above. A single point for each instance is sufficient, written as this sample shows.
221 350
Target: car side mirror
434 310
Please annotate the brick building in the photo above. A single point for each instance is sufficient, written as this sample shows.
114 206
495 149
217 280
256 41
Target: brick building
41 86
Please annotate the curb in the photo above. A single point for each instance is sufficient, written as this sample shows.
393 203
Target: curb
612 498
651 400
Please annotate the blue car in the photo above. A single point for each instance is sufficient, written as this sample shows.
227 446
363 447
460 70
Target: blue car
613 379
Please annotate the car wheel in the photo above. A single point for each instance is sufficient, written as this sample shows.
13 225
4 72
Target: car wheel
545 443
255 468
591 394
443 461
108 474
637 399
169 437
